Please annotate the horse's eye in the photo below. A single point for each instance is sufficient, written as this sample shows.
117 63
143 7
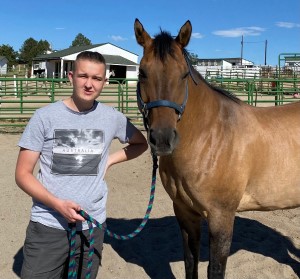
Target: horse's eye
142 74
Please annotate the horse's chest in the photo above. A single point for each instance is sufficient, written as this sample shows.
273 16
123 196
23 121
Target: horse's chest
177 182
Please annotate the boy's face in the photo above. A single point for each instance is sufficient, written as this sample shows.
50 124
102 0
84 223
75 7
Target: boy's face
88 80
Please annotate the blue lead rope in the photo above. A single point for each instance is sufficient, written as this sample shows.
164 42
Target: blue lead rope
72 272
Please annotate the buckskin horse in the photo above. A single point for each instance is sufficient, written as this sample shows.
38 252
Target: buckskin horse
217 155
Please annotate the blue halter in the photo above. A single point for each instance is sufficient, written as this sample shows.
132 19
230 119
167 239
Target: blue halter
145 107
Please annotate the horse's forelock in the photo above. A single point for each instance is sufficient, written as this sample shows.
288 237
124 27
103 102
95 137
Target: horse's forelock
163 45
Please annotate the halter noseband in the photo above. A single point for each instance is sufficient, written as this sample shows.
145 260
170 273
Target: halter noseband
145 107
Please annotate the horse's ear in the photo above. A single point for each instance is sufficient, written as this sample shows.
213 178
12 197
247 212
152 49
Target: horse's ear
142 37
184 34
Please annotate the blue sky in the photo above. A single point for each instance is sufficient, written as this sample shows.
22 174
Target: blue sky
218 25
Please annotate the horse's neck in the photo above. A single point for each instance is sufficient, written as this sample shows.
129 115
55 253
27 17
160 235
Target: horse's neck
202 109
209 107
201 98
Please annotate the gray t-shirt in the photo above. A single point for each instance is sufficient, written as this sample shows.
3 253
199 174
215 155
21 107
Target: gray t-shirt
74 148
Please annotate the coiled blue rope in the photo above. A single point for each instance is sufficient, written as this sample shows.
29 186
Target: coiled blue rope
72 272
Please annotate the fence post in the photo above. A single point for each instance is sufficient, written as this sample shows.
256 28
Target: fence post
21 88
52 91
127 97
121 97
249 88
21 102
278 93
15 86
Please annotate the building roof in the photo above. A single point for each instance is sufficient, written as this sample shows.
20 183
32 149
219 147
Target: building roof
65 52
3 57
110 59
71 50
215 59
230 60
292 58
118 60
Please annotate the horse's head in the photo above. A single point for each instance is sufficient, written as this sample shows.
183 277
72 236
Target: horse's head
162 89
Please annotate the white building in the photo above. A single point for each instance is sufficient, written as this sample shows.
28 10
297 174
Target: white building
292 61
3 65
227 62
57 64
227 67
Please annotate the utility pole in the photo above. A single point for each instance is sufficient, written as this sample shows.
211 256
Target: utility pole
242 49
266 45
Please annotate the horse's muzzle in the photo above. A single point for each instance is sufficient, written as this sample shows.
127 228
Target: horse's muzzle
162 141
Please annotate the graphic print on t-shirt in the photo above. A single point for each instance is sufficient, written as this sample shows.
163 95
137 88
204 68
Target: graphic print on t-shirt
77 152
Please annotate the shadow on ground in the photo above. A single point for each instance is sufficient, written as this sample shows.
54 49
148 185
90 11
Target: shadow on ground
160 242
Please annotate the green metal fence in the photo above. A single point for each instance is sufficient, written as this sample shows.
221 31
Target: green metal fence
262 91
20 97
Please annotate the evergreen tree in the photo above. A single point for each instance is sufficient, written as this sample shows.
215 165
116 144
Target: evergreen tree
193 58
32 48
9 53
81 40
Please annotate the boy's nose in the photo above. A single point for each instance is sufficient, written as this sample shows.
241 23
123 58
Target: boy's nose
88 82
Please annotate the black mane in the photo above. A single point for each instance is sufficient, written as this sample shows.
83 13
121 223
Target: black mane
163 46
225 93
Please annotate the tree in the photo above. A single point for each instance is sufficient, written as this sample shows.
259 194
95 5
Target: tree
9 53
32 48
81 40
193 58
43 46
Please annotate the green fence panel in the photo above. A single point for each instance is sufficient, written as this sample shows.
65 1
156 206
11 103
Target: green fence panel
20 97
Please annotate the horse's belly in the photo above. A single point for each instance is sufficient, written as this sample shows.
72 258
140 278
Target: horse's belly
271 198
274 181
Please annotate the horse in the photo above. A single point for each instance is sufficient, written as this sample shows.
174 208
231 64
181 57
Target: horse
217 154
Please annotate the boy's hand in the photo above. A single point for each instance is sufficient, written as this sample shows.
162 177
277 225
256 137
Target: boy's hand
69 210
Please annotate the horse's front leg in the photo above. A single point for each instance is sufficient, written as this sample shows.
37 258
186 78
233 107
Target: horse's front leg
189 223
220 236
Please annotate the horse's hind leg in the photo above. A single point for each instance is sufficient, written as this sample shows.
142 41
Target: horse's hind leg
189 223
220 236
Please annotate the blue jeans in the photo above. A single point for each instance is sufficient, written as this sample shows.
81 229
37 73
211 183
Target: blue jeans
46 252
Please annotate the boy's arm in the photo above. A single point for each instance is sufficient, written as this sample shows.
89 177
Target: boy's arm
136 146
25 179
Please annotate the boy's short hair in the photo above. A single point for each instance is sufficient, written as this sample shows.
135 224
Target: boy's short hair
91 56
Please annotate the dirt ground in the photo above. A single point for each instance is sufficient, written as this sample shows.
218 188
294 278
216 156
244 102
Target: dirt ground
265 244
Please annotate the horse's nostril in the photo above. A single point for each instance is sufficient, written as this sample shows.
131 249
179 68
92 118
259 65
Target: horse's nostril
174 134
152 139
163 139
169 141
